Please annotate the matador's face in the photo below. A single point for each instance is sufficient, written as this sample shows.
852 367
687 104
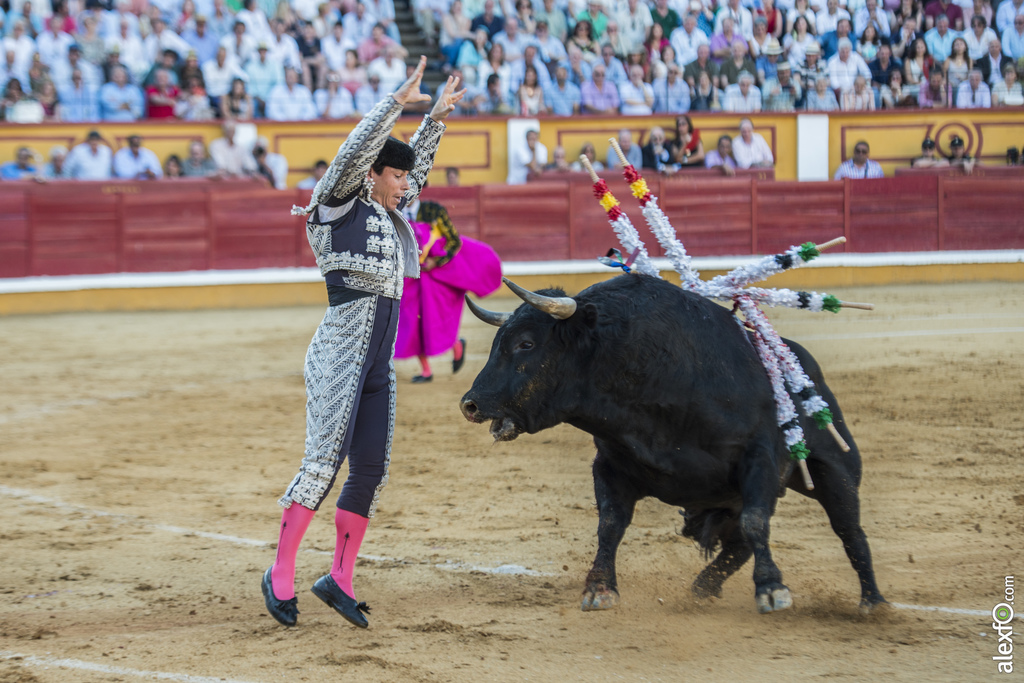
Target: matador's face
389 187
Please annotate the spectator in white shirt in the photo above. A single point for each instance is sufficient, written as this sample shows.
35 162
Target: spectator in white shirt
531 158
750 149
218 73
22 46
742 19
135 162
290 101
389 68
827 19
871 13
255 20
239 44
359 24
743 96
283 48
636 96
89 160
973 93
845 66
163 38
335 45
129 48
686 39
512 40
53 44
232 159
367 96
110 23
62 69
634 19
333 101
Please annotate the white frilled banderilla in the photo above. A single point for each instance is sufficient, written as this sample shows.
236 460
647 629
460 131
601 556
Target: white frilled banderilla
780 363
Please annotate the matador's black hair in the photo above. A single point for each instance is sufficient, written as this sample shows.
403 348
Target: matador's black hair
395 154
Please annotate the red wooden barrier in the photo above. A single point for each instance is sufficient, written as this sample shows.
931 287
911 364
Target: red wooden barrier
81 228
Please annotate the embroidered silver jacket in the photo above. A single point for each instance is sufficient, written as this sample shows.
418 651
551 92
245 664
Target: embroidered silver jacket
356 241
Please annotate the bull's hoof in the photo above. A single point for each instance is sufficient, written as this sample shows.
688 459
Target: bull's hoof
599 598
774 601
703 590
877 607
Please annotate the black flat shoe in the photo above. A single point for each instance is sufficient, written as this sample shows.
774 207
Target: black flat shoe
285 611
327 590
422 379
458 362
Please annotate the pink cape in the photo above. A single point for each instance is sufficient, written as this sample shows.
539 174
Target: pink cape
431 308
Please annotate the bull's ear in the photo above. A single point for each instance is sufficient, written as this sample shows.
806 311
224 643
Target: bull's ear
589 313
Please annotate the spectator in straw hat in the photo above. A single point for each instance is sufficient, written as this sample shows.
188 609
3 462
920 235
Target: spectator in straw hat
782 92
768 62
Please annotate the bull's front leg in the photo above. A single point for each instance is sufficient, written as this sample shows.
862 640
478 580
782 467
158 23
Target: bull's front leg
616 501
759 489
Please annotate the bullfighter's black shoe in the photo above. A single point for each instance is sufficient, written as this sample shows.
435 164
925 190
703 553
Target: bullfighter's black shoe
422 379
285 611
458 362
327 590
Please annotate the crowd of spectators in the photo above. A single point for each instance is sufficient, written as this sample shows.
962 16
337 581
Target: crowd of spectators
568 57
196 60
125 60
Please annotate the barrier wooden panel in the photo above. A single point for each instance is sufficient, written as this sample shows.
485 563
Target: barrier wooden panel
75 230
713 216
166 231
791 213
526 223
254 229
82 228
982 214
894 214
15 234
463 204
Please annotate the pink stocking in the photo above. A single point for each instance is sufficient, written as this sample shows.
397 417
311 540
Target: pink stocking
351 529
294 522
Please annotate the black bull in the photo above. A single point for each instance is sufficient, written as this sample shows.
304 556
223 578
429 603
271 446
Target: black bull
680 409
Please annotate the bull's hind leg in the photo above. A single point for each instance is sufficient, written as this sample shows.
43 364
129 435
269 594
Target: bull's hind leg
734 554
836 489
759 489
616 501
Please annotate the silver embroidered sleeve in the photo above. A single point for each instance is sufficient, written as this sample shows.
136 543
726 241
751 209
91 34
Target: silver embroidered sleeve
424 142
356 154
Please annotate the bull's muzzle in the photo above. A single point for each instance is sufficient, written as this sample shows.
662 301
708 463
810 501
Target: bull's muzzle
470 411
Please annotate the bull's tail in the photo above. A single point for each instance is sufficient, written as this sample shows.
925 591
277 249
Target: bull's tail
708 527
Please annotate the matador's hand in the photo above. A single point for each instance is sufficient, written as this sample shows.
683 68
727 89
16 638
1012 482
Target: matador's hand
447 100
409 92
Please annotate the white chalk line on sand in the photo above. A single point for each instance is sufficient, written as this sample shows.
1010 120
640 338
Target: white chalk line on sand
950 610
507 569
951 332
63 663
21 494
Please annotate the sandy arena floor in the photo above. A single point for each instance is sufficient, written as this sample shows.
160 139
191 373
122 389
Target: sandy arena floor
141 456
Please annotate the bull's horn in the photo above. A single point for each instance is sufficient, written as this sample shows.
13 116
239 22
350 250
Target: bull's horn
560 307
489 317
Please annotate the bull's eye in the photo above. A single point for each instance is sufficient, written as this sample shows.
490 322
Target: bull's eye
524 345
